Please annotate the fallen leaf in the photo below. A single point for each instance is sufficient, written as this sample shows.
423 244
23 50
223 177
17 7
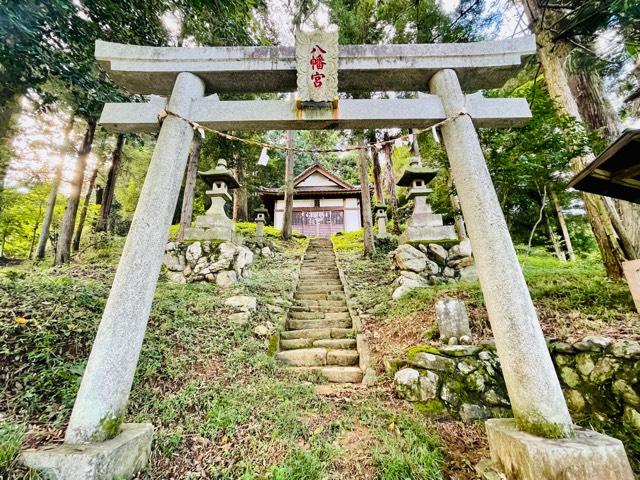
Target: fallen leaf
21 320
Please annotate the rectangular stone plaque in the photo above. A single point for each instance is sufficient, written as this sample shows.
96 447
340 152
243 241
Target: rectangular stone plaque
317 66
632 273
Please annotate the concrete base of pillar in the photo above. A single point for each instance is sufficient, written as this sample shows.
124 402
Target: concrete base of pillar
120 457
587 456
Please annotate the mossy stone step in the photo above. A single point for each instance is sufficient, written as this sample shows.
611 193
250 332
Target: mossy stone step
319 296
320 308
296 343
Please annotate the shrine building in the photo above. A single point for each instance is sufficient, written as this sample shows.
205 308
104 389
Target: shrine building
323 203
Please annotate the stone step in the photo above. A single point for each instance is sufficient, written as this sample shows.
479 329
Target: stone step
334 343
336 374
319 303
293 324
320 308
318 333
327 289
342 358
319 277
319 315
303 357
319 296
296 343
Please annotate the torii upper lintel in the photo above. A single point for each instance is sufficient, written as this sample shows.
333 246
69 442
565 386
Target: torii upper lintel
153 70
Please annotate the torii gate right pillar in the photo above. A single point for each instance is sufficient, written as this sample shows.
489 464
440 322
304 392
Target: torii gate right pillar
536 398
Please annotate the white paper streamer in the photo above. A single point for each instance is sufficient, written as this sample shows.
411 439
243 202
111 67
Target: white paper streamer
264 157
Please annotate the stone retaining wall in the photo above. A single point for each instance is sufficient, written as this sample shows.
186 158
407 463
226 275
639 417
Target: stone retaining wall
223 263
600 379
429 264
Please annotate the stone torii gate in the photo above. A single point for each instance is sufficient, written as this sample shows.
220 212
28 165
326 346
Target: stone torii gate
184 76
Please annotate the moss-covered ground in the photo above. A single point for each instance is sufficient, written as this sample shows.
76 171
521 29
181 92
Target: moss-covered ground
221 406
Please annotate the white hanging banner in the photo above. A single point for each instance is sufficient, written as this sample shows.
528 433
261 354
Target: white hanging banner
264 157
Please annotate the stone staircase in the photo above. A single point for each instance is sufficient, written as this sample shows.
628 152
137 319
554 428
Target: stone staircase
319 332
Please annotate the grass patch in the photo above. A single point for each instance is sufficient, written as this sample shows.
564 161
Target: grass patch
11 437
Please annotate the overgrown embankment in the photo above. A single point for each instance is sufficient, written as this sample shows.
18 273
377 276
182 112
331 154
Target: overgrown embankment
222 407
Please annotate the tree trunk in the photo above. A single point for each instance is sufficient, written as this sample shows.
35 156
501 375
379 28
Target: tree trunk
553 238
377 180
240 200
189 194
85 207
288 189
563 226
389 183
365 202
53 194
553 55
63 249
109 189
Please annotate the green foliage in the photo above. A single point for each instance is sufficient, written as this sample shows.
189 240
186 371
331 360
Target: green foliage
405 447
349 240
248 229
11 437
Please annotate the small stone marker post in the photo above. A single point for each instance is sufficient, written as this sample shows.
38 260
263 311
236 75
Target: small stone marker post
453 320
381 219
632 273
261 219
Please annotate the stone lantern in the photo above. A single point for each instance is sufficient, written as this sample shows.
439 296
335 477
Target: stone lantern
381 219
214 224
261 219
424 225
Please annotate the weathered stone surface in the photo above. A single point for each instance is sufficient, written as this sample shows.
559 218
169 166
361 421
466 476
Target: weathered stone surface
176 277
459 350
407 384
226 278
604 370
592 343
452 317
267 252
342 374
449 392
401 291
575 400
174 261
240 318
244 303
261 330
462 249
227 253
476 381
432 362
626 391
469 274
120 457
304 357
589 455
460 263
631 417
344 358
243 259
470 412
193 253
570 377
429 383
409 258
438 253
335 343
626 349
584 364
